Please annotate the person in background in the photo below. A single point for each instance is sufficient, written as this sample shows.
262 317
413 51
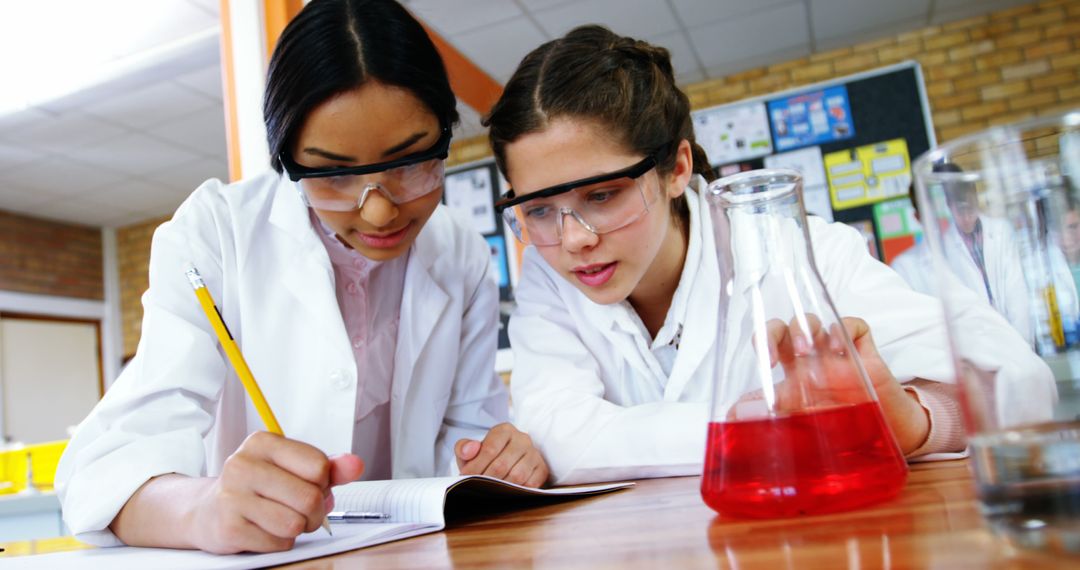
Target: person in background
985 255
368 315
614 335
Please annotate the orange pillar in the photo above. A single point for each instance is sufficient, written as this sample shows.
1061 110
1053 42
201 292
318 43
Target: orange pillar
470 83
277 14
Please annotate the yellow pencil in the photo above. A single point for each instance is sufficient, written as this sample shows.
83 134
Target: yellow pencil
236 358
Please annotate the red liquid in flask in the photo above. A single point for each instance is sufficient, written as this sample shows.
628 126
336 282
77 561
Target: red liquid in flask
809 463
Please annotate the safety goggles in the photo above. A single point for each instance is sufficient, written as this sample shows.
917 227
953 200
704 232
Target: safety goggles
601 204
345 188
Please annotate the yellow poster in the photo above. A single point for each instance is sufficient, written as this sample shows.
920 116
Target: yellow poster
868 174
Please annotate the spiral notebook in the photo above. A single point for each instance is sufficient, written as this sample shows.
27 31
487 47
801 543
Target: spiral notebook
415 506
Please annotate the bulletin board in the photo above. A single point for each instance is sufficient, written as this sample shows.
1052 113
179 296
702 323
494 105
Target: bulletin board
854 138
471 190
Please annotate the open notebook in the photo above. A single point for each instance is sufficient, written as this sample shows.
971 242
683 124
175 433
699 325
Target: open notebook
415 506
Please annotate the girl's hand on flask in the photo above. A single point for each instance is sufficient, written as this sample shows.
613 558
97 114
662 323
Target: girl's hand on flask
819 373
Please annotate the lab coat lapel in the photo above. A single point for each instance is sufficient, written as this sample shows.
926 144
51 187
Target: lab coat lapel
702 303
310 278
618 328
423 303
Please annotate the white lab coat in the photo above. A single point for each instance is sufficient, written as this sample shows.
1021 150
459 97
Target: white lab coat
179 408
589 393
1004 271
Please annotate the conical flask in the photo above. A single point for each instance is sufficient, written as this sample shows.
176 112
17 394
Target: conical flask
795 425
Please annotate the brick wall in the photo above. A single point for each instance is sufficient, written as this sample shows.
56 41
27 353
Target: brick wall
992 69
133 259
50 258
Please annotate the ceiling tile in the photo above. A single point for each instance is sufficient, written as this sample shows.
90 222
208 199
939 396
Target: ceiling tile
183 179
158 24
60 176
869 34
451 17
202 132
136 154
152 105
683 58
777 30
206 81
533 5
842 18
701 12
684 79
81 211
141 71
63 133
636 18
732 66
11 155
22 200
514 39
139 195
12 123
212 7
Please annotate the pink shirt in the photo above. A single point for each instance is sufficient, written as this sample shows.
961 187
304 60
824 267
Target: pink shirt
369 295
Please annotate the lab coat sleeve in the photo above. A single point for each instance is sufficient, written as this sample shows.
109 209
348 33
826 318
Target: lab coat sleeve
153 418
558 399
909 331
478 399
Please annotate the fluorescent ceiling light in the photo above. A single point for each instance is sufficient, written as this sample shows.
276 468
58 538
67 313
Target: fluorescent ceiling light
52 48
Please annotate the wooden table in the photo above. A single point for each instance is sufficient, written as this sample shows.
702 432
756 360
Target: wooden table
662 523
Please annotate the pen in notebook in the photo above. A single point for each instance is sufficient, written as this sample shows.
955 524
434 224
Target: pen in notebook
232 351
356 516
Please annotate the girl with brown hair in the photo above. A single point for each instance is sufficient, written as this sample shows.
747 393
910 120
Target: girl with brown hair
616 325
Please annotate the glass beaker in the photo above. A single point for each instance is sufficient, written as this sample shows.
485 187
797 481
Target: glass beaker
795 427
1006 242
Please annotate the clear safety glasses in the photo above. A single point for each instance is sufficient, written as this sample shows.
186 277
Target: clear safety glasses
601 204
341 189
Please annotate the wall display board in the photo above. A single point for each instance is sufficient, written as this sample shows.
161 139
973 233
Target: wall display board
854 139
733 133
471 191
812 117
897 227
868 174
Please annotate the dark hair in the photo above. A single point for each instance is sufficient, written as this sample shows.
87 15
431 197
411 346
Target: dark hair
591 73
333 46
957 189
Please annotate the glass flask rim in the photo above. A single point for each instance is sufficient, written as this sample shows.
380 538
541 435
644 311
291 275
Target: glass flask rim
923 167
719 189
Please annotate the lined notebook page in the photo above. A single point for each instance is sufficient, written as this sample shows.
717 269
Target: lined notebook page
405 500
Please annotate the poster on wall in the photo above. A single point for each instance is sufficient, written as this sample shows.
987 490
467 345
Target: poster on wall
499 267
733 133
816 117
471 193
897 227
807 161
868 174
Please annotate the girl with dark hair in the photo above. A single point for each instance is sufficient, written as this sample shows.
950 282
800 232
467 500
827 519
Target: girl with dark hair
615 329
367 314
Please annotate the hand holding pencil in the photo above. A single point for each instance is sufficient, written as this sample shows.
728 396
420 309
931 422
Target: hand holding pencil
272 488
